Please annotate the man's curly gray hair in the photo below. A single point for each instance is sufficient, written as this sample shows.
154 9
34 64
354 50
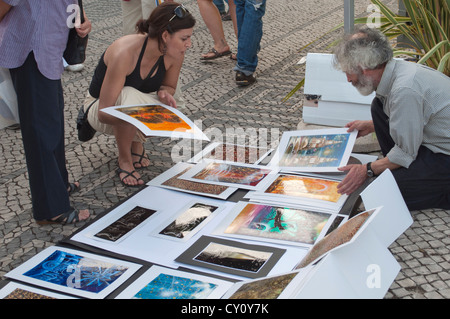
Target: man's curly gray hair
366 49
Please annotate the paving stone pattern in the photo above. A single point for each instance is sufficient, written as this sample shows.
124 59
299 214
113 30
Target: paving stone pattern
223 110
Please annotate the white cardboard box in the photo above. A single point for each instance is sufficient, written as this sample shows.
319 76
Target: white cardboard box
363 268
339 101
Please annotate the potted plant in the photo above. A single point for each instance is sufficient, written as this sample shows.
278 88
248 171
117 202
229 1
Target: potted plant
426 27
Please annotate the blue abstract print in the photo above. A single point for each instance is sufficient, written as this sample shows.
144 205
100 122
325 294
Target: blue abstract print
73 271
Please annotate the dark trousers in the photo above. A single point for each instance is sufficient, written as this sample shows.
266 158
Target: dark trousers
426 182
41 113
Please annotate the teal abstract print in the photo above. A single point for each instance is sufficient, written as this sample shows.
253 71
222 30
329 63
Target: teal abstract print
173 287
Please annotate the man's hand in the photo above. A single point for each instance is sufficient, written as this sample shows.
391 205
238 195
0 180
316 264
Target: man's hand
364 127
84 28
356 176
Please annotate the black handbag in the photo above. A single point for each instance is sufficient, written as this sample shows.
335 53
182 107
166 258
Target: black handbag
75 52
85 130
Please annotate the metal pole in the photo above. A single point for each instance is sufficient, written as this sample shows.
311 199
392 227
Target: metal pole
349 16
401 8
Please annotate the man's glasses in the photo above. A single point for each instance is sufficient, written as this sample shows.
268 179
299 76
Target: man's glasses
179 12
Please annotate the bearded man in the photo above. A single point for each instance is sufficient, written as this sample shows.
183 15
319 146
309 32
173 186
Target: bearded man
410 117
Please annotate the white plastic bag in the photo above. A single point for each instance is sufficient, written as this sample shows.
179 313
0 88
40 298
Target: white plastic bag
9 113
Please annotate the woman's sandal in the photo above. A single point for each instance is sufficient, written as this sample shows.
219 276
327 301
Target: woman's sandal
71 217
216 54
141 157
121 171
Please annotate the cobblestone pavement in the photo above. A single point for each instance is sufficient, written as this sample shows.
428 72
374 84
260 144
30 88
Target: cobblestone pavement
213 98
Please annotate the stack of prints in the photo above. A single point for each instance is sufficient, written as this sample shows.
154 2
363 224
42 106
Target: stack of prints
261 248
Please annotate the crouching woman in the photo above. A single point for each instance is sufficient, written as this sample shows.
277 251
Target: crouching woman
141 68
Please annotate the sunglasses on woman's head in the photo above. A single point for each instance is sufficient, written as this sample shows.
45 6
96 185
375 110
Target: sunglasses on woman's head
179 12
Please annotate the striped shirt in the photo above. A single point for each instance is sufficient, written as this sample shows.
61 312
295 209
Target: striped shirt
39 26
416 99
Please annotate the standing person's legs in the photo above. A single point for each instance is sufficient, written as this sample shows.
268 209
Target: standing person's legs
41 111
211 16
131 13
147 8
249 15
232 11
220 4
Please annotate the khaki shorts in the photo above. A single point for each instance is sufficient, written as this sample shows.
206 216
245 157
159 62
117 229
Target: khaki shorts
128 96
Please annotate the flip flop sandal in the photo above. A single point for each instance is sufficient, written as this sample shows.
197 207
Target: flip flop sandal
73 188
71 217
141 157
216 54
121 171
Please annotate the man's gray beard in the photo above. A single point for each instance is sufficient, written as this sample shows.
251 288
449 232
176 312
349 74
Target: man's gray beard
365 90
365 86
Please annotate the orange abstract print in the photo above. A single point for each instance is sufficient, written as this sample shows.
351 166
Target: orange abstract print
157 118
300 186
225 173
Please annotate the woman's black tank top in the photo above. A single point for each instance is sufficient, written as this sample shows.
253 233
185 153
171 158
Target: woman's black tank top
147 85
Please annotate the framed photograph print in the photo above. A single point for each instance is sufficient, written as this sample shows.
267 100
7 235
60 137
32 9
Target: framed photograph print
127 223
14 290
188 221
231 153
274 224
314 150
344 234
157 120
233 257
120 223
281 286
74 272
240 175
170 180
302 191
165 283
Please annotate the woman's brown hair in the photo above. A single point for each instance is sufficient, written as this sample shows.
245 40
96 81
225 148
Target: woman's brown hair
162 19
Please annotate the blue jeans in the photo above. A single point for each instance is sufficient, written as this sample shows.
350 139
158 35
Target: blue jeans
220 4
249 15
